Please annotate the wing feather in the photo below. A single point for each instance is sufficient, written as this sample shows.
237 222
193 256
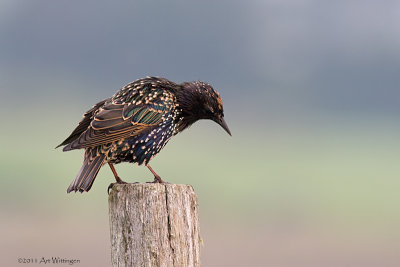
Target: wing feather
115 121
83 124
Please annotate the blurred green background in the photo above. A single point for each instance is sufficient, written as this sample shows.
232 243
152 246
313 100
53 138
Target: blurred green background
311 94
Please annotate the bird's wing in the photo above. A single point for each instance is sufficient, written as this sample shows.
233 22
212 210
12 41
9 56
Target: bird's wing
116 121
83 124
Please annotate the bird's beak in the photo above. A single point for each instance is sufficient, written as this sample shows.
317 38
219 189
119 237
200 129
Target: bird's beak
224 125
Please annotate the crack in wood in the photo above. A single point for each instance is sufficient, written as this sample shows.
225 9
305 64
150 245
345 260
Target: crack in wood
169 226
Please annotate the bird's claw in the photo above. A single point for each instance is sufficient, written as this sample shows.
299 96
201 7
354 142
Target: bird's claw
112 184
157 180
109 187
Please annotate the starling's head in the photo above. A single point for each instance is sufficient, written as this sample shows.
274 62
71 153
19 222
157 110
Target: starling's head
203 102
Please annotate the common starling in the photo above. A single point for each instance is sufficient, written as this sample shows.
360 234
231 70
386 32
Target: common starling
137 122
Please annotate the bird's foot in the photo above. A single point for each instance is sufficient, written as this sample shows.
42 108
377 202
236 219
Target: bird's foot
119 181
157 180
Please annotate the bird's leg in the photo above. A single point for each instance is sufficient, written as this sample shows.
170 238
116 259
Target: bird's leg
157 178
119 181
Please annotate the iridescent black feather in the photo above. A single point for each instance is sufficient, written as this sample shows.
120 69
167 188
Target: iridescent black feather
137 122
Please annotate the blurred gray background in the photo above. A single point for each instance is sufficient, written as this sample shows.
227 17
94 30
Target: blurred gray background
311 94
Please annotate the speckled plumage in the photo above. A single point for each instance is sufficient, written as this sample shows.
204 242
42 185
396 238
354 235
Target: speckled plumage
137 122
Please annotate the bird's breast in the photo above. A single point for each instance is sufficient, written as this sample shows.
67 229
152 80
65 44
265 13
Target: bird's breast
143 147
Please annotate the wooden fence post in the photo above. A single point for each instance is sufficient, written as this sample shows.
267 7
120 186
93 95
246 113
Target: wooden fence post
154 224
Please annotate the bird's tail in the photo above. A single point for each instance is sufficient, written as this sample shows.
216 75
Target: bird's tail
88 172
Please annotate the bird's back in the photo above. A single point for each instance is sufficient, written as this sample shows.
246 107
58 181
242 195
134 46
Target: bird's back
133 111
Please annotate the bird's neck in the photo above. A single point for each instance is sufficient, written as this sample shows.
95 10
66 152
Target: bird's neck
189 105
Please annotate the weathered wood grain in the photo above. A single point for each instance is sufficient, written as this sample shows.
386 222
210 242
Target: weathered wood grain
154 225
